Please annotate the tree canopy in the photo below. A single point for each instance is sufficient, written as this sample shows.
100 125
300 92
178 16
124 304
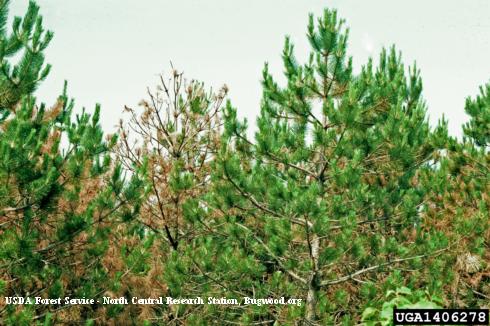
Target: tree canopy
346 198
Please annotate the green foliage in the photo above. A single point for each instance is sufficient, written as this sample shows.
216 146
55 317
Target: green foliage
458 206
60 194
331 179
29 38
478 129
54 202
344 193
402 298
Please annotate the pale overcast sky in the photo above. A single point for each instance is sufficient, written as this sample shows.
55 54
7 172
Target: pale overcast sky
111 50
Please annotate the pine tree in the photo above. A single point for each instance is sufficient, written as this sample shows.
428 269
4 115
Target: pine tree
478 128
326 199
459 204
58 206
60 192
30 39
178 133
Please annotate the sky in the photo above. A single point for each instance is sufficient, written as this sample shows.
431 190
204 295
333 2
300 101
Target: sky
110 51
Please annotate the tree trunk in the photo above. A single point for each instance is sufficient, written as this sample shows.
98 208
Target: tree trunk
313 283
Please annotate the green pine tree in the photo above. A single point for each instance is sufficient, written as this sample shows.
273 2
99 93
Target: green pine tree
27 39
325 204
61 194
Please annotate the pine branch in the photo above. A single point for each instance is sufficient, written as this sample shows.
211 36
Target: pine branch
260 206
368 269
215 280
283 267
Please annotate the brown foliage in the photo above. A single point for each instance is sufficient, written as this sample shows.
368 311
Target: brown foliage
178 132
